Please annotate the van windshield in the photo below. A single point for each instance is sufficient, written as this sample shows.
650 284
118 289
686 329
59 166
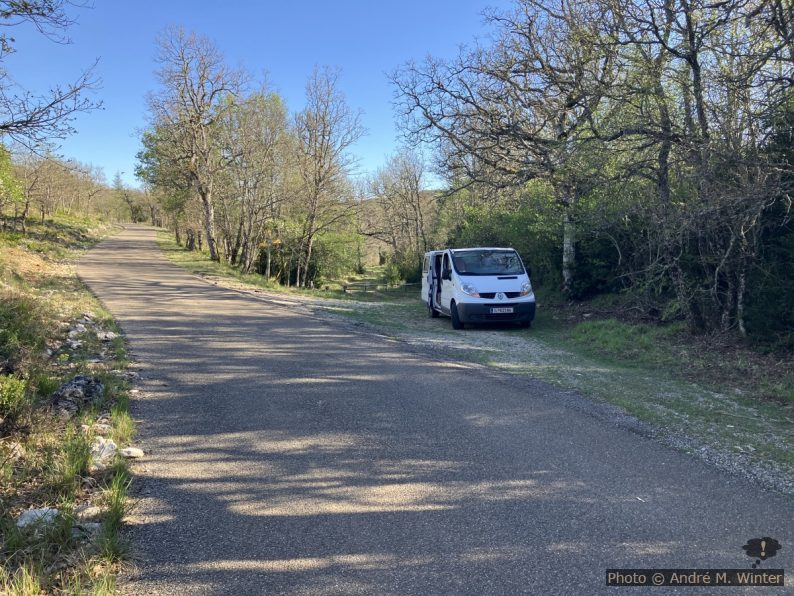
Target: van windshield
488 262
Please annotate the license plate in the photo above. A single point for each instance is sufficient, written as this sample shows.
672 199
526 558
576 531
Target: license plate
502 310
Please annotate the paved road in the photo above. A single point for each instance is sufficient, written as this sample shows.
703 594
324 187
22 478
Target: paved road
286 455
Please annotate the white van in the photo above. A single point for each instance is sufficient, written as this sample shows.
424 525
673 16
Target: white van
477 285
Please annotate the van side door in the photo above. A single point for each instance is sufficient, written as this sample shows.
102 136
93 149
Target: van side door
427 278
446 283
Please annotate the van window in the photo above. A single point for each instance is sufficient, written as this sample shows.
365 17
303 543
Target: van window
488 262
426 264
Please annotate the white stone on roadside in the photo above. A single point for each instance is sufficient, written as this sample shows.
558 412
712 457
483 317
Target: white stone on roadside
44 515
102 450
107 335
132 452
102 428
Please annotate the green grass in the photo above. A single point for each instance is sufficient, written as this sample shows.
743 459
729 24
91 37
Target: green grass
70 462
111 546
626 342
13 396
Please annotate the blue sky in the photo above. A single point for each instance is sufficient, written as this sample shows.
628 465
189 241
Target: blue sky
285 39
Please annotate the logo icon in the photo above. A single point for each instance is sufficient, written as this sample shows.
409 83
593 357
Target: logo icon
761 549
500 296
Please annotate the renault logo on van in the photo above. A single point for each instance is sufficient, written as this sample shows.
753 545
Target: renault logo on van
500 296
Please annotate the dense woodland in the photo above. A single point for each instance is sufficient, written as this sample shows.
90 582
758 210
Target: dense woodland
628 146
639 149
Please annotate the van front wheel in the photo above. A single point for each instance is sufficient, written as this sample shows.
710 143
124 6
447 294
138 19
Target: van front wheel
453 312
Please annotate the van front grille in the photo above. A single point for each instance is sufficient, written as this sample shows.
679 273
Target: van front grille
492 295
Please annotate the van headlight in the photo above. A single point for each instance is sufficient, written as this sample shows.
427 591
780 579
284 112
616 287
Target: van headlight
526 288
469 289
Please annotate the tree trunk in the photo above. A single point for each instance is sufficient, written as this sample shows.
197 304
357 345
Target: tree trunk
298 272
309 246
209 225
568 254
25 217
740 303
238 243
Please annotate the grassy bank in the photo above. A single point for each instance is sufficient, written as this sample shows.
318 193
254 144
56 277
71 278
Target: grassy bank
50 328
706 395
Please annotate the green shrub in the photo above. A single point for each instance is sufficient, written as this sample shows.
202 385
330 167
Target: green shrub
391 274
13 396
410 267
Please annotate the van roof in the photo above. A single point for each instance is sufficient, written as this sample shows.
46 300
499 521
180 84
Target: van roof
454 250
482 248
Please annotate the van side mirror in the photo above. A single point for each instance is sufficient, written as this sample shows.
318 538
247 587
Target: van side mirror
446 274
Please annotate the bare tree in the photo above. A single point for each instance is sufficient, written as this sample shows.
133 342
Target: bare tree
521 109
195 84
401 218
324 130
32 119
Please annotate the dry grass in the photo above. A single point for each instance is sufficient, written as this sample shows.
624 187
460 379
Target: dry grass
44 460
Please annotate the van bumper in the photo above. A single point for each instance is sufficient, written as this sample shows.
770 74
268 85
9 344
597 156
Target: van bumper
481 313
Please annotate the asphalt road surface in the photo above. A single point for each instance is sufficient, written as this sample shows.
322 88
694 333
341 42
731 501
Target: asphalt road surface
285 454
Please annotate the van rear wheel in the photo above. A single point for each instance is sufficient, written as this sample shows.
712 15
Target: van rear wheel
453 312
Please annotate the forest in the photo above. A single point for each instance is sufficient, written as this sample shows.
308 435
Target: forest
637 148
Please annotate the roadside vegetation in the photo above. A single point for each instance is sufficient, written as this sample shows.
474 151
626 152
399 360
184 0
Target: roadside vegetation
373 284
49 333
